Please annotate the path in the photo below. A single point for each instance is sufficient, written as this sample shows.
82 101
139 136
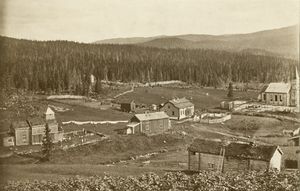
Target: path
126 92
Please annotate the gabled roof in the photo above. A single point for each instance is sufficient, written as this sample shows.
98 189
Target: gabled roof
49 111
20 124
151 116
181 103
126 101
278 88
234 149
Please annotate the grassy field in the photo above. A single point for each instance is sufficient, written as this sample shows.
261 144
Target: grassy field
92 159
201 97
57 171
258 126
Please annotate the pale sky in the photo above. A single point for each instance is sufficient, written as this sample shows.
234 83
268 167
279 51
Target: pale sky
91 20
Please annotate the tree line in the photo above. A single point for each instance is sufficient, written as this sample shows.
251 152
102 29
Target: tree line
57 66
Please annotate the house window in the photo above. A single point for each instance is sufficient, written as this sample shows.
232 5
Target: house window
168 107
24 138
211 165
173 113
280 98
271 97
264 97
275 97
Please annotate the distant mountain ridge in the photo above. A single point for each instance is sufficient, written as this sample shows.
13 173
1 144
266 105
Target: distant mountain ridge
275 42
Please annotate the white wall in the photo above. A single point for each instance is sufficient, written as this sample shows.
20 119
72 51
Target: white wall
275 161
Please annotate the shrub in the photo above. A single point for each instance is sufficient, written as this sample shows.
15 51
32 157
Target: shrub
202 181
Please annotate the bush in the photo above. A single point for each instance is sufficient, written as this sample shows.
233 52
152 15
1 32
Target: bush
204 181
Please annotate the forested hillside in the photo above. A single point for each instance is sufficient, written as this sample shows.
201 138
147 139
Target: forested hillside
61 65
281 42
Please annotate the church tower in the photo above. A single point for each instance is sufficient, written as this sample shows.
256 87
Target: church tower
297 95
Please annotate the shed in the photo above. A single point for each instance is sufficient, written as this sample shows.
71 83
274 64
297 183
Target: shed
128 106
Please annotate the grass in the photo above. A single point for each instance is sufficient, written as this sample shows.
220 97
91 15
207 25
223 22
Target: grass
56 171
202 98
258 126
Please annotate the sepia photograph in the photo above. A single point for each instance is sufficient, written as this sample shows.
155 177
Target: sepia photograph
149 95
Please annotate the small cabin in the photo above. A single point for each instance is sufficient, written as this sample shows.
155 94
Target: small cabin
128 106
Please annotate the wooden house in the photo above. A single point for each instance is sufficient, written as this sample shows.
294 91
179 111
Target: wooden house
216 155
179 108
147 123
21 132
31 131
128 106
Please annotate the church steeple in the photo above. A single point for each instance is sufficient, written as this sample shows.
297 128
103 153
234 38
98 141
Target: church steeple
297 90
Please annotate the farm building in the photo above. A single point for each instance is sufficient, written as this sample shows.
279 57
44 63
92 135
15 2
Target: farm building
128 106
179 108
216 155
148 123
282 94
31 132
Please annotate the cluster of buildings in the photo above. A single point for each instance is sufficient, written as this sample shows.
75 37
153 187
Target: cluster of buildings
31 132
158 121
203 154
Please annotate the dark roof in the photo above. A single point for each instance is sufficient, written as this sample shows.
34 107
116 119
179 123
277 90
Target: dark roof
234 149
36 121
20 124
181 103
206 146
126 101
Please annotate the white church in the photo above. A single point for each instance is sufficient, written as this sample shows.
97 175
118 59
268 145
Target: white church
282 94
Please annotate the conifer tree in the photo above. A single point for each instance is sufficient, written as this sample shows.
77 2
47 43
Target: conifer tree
230 90
47 144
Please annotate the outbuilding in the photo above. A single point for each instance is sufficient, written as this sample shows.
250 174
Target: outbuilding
216 155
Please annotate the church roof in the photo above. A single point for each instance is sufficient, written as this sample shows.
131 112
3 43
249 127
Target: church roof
278 88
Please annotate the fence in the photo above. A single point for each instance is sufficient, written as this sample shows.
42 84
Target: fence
211 118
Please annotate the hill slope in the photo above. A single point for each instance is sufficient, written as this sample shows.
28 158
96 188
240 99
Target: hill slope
280 42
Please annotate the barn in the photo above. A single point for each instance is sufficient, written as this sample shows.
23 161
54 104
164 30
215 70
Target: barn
128 106
148 123
179 108
215 155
